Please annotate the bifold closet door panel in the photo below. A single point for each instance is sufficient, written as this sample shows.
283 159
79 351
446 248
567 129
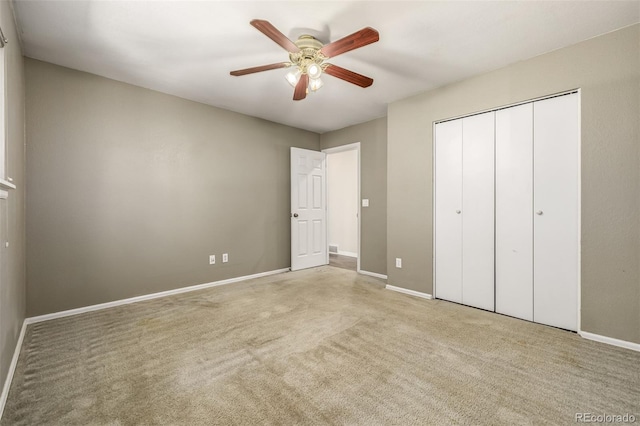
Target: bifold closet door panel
556 233
448 205
478 211
514 211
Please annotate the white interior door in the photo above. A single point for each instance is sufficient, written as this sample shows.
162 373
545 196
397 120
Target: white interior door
308 209
556 233
514 211
448 208
478 211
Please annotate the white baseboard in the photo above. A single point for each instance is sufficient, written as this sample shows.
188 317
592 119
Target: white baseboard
12 368
372 274
347 253
120 302
409 292
610 341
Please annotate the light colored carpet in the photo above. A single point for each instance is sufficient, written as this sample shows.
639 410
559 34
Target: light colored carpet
320 346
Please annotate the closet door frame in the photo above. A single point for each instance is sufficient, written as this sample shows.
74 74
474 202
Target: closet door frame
578 92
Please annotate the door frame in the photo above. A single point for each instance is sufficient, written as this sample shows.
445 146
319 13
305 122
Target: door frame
578 92
342 148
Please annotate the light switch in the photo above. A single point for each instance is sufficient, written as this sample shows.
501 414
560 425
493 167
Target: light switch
365 202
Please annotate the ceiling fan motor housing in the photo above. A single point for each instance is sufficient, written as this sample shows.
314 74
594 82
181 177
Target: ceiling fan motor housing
309 52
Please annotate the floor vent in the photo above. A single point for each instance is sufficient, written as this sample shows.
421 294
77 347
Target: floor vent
333 249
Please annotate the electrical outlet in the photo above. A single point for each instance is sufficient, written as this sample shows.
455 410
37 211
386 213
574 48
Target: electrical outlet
398 262
212 259
225 257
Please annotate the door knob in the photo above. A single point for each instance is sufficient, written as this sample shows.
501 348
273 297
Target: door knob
295 215
458 211
539 212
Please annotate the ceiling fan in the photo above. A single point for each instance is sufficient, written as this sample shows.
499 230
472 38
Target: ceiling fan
308 55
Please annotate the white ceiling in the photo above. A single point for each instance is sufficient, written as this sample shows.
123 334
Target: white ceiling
187 48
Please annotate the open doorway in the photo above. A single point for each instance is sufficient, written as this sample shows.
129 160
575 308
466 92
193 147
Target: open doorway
343 206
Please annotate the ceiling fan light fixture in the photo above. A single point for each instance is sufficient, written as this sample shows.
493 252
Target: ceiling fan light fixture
315 84
314 70
293 76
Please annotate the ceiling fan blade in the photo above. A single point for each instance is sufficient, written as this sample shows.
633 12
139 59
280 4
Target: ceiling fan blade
358 39
260 68
350 76
272 32
300 91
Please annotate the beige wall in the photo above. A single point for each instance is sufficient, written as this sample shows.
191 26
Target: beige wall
342 200
12 219
607 69
131 190
372 136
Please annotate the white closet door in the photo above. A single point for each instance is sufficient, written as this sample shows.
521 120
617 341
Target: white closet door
514 215
448 205
478 211
556 156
